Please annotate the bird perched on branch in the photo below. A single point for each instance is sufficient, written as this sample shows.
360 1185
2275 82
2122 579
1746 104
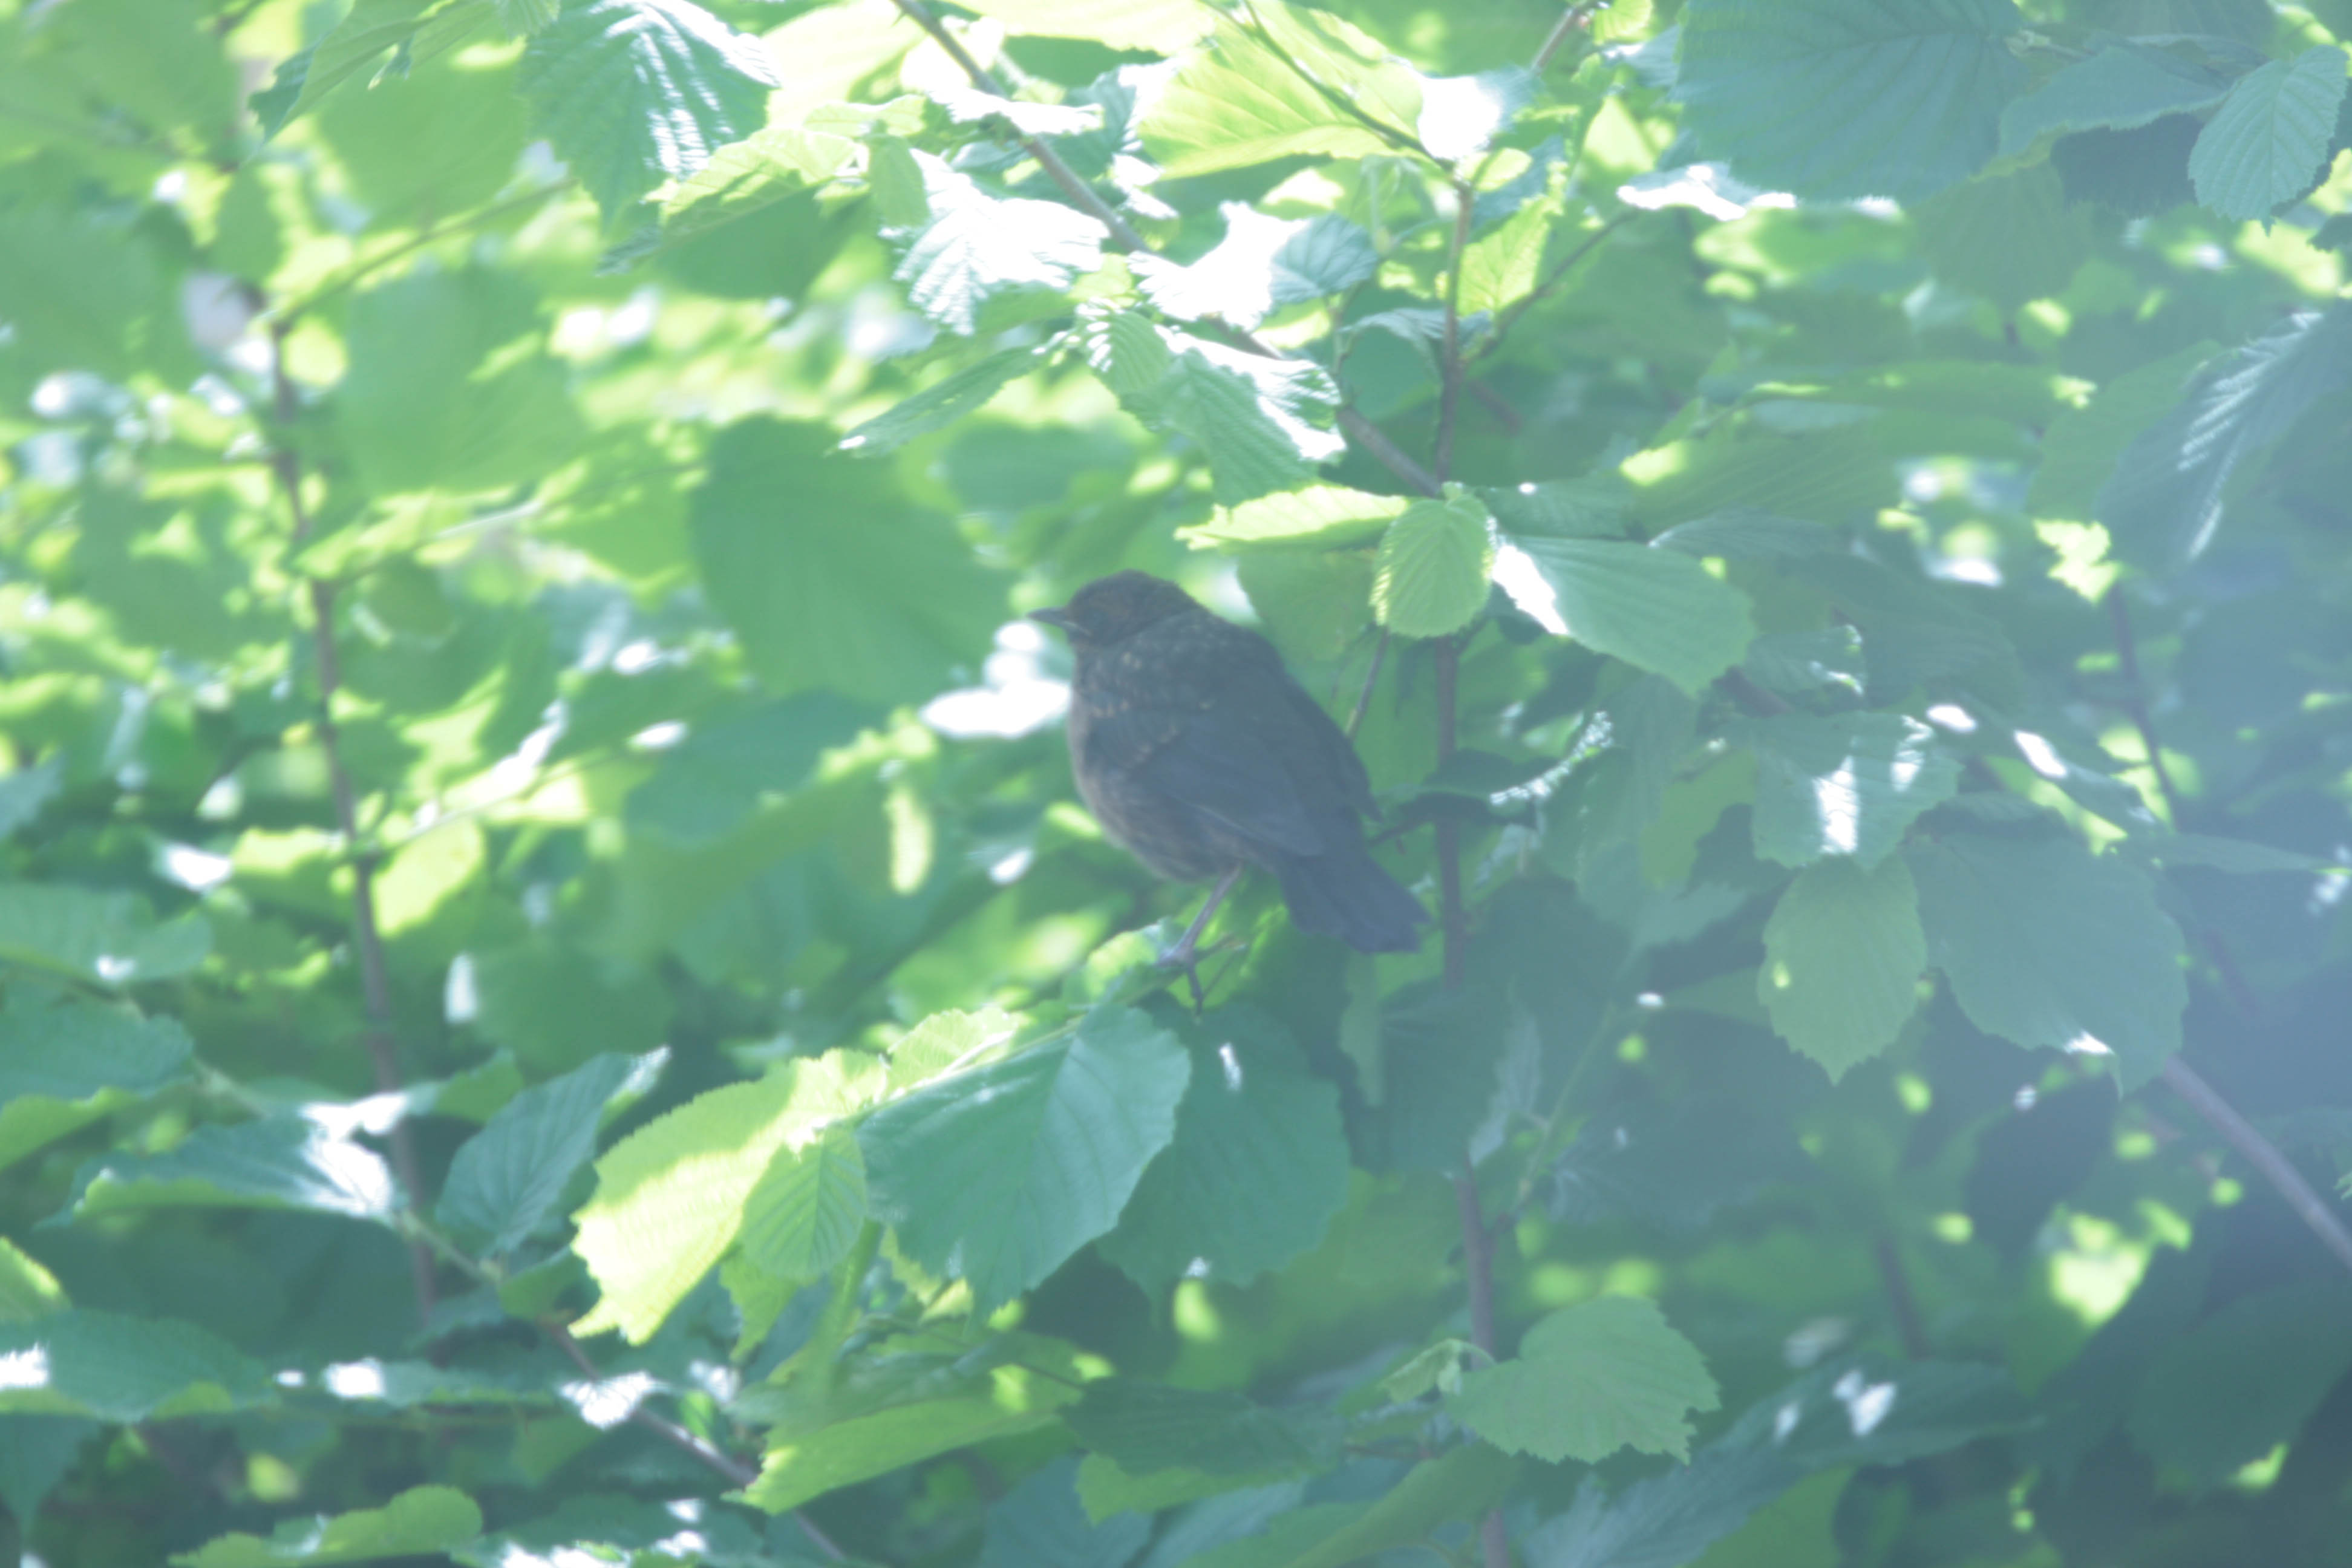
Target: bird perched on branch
1199 755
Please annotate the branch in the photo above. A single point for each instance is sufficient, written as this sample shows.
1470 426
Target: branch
2263 1155
1123 235
1364 698
418 241
1478 1264
1571 21
375 977
1449 393
1510 318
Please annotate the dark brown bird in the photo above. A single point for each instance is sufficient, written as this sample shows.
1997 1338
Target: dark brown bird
1197 751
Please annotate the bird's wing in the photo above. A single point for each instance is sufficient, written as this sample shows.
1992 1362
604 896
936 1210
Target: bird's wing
1213 758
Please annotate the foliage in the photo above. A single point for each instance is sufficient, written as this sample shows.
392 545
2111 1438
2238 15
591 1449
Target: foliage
556 1002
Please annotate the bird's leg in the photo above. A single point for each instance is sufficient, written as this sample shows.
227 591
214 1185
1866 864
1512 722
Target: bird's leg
1185 954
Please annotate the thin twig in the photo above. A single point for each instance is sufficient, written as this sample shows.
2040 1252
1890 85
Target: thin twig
670 1432
1899 1297
1534 297
1121 232
2263 1155
1449 831
1571 19
1364 698
423 237
1478 1265
2135 701
1354 425
375 977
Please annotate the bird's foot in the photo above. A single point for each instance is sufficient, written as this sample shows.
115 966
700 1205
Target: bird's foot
1186 955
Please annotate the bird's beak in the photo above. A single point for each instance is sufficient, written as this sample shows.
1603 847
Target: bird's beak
1052 618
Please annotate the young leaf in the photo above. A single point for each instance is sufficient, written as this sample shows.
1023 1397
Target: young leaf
1430 579
420 1521
509 1176
999 1175
1656 609
1842 957
634 92
1836 99
2050 947
2269 142
1589 1380
1848 785
1258 1167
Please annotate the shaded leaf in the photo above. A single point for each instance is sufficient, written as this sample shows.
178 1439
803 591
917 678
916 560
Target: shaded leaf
1589 1380
1842 957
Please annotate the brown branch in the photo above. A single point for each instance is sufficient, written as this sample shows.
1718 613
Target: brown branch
2263 1155
375 979
1900 1299
1571 20
1122 233
1478 1265
1510 318
668 1431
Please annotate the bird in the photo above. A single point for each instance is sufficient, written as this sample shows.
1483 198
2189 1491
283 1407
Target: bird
1202 756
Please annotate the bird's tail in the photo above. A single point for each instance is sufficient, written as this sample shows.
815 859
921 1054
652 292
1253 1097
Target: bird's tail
1347 895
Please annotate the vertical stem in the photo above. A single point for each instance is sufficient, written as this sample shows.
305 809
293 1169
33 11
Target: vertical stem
375 977
1477 1243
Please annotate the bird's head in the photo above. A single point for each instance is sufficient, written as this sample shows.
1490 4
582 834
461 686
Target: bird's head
1111 609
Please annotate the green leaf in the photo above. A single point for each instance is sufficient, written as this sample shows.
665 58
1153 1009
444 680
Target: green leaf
829 575
368 31
1658 610
36 1452
975 248
670 1196
1502 265
1260 421
420 1521
106 939
28 1290
82 293
283 1162
890 1418
507 1178
2123 86
634 92
122 1369
1842 957
1849 784
25 792
1430 578
2166 496
428 144
1323 517
2080 451
1258 1167
2011 239
708 785
751 176
1744 533
1837 99
2241 1381
2269 142
1000 1173
1462 1483
555 1008
1147 1428
1041 1524
1235 102
807 1207
446 388
2048 946
64 1064
1262 264
1589 1380
942 403
1671 1518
